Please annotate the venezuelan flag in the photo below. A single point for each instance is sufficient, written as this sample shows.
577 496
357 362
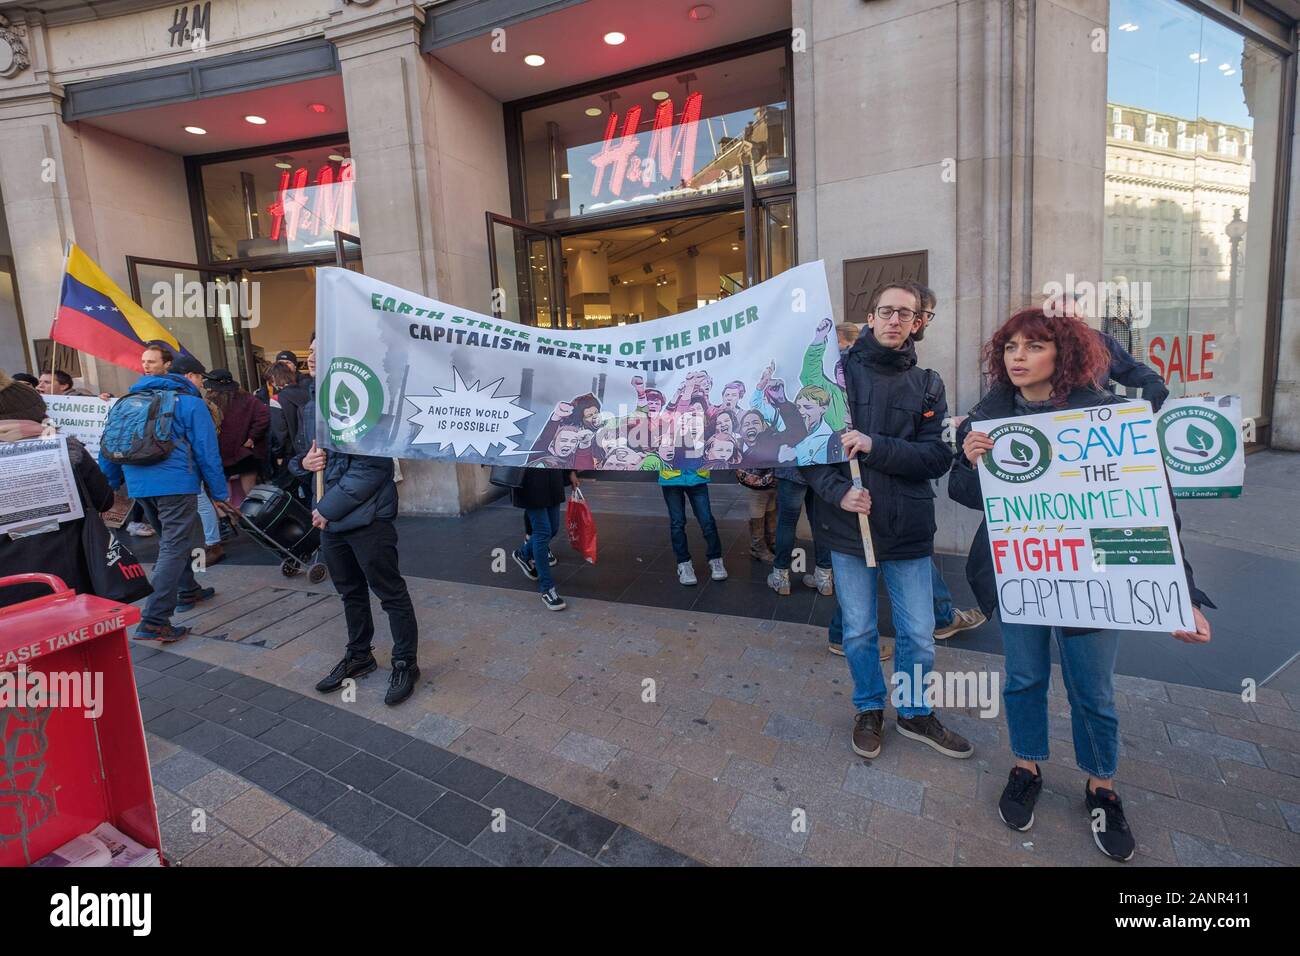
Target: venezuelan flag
97 317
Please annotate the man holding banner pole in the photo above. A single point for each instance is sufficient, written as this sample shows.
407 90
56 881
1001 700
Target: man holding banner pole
354 506
896 443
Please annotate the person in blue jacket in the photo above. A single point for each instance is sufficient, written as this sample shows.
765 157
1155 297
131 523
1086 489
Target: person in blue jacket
167 493
358 541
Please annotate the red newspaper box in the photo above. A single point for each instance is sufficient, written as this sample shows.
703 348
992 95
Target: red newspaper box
66 769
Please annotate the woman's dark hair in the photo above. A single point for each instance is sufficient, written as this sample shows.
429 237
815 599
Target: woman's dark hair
278 376
1081 357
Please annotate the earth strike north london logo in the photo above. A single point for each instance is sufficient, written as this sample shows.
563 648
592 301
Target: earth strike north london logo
351 399
1020 453
1196 440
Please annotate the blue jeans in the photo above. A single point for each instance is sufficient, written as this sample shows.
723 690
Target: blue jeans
909 587
791 497
675 497
1088 670
208 515
175 518
943 612
544 523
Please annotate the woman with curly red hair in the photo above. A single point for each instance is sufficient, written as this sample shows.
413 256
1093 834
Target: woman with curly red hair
1040 363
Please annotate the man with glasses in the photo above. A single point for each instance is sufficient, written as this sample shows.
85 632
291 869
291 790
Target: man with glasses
897 412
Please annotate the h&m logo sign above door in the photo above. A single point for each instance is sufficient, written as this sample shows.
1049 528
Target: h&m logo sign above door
193 29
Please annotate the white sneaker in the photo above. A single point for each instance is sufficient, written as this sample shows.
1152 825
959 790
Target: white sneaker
716 570
685 573
139 529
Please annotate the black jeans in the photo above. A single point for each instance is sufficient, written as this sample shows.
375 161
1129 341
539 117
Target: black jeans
365 560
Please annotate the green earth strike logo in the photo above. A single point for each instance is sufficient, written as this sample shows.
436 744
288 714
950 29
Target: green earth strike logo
1020 453
1196 440
351 399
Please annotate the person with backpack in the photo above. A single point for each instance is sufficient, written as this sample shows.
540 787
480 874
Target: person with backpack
159 439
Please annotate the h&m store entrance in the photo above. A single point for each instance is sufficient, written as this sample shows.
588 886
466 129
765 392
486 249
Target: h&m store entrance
647 194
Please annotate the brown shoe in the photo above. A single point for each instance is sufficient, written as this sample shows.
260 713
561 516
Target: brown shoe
961 621
928 730
212 554
757 546
866 733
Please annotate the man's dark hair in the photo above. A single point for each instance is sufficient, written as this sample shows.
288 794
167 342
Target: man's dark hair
163 349
63 378
915 289
26 379
278 376
928 301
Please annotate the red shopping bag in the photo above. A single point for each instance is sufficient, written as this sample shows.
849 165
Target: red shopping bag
582 526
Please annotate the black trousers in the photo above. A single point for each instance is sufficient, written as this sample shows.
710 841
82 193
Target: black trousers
362 561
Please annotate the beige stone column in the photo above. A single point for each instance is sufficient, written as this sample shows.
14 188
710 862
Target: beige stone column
389 89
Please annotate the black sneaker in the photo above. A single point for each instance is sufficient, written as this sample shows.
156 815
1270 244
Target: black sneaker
928 730
525 565
186 600
553 601
401 682
348 667
866 733
1016 807
1109 828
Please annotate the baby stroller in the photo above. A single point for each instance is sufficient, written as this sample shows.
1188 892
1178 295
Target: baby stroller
282 524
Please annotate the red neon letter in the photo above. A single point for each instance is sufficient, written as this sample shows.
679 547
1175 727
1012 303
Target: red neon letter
665 148
616 156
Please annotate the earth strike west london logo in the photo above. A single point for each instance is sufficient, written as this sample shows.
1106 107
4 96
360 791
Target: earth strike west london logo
351 399
1020 453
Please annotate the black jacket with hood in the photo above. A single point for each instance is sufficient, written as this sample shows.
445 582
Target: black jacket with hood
902 408
964 488
359 489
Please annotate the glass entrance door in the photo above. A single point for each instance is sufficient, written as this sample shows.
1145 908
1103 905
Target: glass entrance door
769 232
203 308
527 273
347 251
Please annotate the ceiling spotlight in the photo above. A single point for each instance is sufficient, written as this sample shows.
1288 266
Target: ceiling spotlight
700 11
196 130
660 95
614 38
535 59
335 157
281 164
255 120
592 111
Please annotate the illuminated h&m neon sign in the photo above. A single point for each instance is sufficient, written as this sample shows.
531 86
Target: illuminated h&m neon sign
668 143
329 199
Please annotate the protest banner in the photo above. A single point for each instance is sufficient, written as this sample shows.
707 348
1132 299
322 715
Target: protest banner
37 487
749 381
1202 444
81 416
1081 523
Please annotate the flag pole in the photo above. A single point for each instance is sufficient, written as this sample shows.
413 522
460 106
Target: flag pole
54 343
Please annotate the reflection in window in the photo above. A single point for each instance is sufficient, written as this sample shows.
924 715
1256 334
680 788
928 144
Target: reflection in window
1192 132
281 202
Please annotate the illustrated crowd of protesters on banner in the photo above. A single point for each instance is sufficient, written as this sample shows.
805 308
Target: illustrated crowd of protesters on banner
888 415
